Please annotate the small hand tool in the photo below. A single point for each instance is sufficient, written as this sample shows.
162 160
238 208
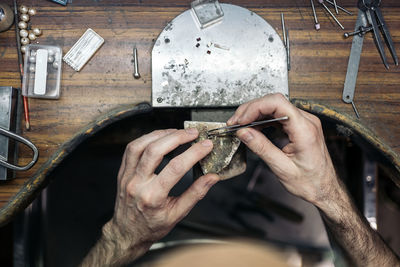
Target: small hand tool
136 64
317 25
233 128
369 19
375 19
330 13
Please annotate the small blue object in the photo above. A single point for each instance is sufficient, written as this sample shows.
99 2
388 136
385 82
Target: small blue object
62 2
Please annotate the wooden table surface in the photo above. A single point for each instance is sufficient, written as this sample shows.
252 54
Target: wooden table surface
319 63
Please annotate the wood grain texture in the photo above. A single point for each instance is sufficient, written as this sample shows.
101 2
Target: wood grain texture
105 84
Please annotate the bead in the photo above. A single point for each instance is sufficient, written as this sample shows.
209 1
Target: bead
50 59
23 9
55 64
32 12
51 52
32 68
37 31
32 36
23 49
24 41
23 33
32 59
22 25
24 17
33 53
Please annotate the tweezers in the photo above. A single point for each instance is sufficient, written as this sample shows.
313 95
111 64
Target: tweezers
233 128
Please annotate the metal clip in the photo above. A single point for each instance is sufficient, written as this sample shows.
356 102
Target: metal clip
25 142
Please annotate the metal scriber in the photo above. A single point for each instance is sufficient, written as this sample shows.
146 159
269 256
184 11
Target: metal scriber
233 128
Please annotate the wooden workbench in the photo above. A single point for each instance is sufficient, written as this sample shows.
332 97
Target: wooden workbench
105 89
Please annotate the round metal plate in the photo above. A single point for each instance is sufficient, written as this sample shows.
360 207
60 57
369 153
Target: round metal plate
226 64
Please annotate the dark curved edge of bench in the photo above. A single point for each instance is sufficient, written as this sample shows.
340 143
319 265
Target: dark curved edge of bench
41 178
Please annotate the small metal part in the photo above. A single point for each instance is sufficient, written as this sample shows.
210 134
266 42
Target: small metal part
317 25
336 7
355 109
283 28
330 13
136 64
362 30
32 59
233 128
339 7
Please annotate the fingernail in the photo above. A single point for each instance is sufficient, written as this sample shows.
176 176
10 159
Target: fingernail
230 121
207 143
192 131
245 135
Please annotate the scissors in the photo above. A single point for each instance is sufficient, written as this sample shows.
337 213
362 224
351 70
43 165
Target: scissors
375 19
233 128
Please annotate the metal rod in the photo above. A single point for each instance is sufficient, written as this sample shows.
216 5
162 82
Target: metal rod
288 50
336 10
283 28
317 25
330 13
234 128
339 7
361 31
136 64
355 109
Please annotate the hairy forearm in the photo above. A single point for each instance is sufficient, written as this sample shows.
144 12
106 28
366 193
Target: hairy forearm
112 250
362 245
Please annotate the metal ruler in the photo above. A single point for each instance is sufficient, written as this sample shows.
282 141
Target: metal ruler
354 61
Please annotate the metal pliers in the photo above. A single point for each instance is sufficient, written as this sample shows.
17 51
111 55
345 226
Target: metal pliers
377 24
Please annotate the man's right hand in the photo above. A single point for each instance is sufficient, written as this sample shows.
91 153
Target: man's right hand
303 166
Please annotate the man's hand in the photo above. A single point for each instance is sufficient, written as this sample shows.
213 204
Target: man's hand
144 212
303 166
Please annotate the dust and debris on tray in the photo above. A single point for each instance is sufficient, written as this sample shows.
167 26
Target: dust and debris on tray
226 159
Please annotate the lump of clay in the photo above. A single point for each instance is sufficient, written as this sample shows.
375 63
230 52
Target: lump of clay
226 159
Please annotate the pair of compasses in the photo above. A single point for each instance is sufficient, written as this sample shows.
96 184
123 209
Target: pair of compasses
369 18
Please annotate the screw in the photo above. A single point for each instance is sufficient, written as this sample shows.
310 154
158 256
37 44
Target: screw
159 99
135 62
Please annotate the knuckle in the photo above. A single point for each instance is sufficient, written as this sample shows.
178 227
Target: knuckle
260 149
279 96
145 199
131 190
131 148
176 166
152 150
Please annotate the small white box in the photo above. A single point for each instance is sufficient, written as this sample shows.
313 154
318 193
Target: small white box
42 71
